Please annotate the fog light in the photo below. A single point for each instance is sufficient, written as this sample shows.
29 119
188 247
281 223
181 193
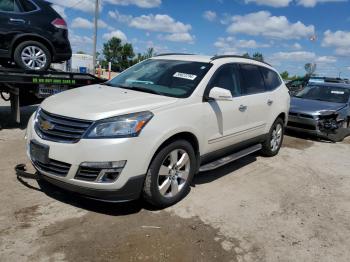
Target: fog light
109 175
104 165
100 172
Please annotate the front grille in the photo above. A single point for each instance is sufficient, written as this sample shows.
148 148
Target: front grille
54 167
59 128
87 173
301 125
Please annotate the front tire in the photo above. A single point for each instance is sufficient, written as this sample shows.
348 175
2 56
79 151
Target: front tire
170 174
273 143
32 55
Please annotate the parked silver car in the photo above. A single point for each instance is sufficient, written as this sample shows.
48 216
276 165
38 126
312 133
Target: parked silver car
322 109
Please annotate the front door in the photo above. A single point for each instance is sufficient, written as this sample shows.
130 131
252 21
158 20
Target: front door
11 23
227 121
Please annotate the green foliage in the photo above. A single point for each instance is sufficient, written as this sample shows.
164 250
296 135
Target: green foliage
246 55
258 56
285 75
119 54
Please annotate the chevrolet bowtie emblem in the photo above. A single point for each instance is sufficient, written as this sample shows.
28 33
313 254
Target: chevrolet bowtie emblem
46 125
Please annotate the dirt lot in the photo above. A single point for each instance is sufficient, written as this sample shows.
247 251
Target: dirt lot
294 207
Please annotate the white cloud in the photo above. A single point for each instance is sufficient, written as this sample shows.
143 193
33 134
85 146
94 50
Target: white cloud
80 43
209 15
178 37
273 3
340 40
285 3
89 5
297 46
120 17
264 24
116 33
60 10
159 23
297 56
230 45
83 23
139 3
85 6
313 3
176 31
326 59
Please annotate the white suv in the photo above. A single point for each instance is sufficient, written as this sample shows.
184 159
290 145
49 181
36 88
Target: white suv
150 129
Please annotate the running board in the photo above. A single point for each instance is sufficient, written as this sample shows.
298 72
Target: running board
228 159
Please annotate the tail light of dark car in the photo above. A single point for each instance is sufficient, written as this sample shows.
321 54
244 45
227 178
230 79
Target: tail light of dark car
59 23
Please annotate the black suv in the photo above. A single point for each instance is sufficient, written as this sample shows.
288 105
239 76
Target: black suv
32 34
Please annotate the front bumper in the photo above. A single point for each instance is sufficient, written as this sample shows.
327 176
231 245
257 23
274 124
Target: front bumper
128 185
130 191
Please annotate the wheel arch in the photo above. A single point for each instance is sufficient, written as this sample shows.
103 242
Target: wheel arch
284 117
32 37
183 135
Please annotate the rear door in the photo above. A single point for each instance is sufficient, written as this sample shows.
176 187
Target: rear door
256 100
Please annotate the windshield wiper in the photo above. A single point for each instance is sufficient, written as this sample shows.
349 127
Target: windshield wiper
141 89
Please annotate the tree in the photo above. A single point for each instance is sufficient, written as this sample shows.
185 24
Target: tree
119 54
81 52
246 55
258 56
149 53
285 75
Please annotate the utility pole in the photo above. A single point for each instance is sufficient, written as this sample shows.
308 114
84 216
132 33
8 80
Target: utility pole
97 5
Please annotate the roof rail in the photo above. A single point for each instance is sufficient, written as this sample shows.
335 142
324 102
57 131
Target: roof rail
165 54
237 56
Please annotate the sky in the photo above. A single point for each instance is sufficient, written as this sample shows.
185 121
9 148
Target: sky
289 33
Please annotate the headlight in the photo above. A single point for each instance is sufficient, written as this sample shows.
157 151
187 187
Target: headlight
120 126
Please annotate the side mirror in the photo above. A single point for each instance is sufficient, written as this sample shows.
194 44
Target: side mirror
220 94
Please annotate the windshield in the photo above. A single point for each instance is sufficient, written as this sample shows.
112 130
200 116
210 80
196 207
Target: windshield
325 93
162 77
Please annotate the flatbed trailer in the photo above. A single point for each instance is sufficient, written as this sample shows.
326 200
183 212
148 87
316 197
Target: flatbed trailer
24 88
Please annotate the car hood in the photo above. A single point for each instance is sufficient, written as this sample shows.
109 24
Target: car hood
312 107
99 101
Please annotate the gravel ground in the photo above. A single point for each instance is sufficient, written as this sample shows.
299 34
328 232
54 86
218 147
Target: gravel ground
294 207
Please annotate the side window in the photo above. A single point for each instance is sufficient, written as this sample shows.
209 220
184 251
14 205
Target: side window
252 80
227 77
8 6
271 78
28 6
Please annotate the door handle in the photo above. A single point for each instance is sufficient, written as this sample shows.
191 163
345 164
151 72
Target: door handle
269 102
242 108
17 21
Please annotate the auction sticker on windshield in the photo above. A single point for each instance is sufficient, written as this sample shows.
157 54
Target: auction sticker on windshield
185 76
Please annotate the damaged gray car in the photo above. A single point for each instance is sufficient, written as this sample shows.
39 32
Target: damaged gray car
322 109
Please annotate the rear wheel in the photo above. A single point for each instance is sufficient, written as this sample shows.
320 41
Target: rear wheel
170 174
274 140
32 55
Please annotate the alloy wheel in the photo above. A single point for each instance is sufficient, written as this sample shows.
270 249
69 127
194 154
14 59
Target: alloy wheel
33 57
276 138
173 173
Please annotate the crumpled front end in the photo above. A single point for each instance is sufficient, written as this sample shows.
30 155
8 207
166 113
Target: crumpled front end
332 125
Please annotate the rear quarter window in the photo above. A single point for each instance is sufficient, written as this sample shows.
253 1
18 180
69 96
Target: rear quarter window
271 78
252 80
28 6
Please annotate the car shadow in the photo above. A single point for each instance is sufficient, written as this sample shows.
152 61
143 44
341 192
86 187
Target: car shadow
106 208
6 122
210 176
132 207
